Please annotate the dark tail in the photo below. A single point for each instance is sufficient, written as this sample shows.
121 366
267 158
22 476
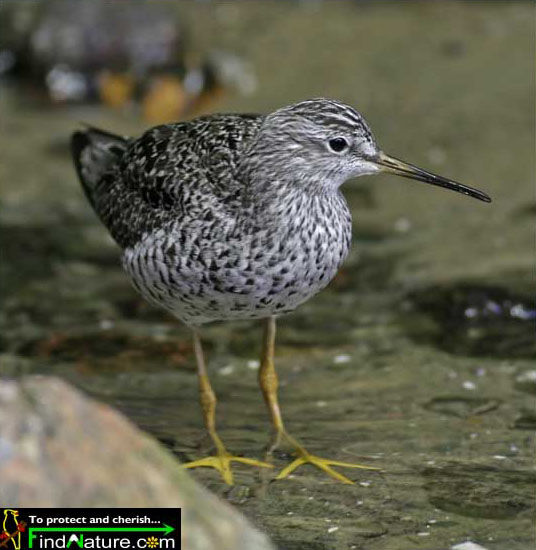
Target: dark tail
95 152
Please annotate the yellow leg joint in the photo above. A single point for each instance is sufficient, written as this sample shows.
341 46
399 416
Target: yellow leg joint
268 382
222 460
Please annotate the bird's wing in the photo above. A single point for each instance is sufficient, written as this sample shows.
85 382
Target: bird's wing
170 163
95 153
171 171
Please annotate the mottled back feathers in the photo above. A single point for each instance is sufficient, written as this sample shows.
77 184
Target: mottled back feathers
141 184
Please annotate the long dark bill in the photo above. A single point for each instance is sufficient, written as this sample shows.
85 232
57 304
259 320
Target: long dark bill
401 168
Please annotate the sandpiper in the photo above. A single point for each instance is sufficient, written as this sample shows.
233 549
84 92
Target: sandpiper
235 216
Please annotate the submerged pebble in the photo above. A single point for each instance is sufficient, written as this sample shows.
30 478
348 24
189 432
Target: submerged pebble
467 545
526 381
226 370
461 406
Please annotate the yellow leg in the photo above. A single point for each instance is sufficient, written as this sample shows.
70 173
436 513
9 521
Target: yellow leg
269 383
222 460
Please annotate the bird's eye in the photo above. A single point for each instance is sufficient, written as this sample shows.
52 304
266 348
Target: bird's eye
338 144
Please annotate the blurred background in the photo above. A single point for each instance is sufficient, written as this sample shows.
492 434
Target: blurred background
419 354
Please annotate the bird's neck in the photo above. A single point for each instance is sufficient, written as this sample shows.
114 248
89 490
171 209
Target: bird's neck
279 201
274 196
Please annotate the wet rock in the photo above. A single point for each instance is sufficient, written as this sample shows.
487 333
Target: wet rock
526 420
60 449
479 490
472 319
461 406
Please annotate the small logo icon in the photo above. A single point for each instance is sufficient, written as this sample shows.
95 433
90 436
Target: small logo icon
12 527
77 539
152 542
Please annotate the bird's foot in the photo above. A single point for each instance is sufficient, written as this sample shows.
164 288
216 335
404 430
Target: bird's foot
222 462
324 464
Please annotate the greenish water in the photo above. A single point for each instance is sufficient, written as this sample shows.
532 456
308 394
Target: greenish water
384 367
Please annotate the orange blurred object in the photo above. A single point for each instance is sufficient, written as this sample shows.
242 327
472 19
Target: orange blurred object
165 100
115 89
204 102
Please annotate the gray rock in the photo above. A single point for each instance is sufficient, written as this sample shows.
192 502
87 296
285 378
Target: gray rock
60 449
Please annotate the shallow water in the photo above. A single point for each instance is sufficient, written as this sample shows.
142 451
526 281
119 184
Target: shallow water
384 367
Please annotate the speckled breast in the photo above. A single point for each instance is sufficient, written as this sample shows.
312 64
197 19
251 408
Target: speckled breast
269 270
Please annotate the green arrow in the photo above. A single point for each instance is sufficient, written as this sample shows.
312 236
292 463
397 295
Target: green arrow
166 529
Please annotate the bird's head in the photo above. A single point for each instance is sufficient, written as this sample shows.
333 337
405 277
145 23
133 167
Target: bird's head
322 143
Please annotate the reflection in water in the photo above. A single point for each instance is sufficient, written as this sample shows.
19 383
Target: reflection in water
472 319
